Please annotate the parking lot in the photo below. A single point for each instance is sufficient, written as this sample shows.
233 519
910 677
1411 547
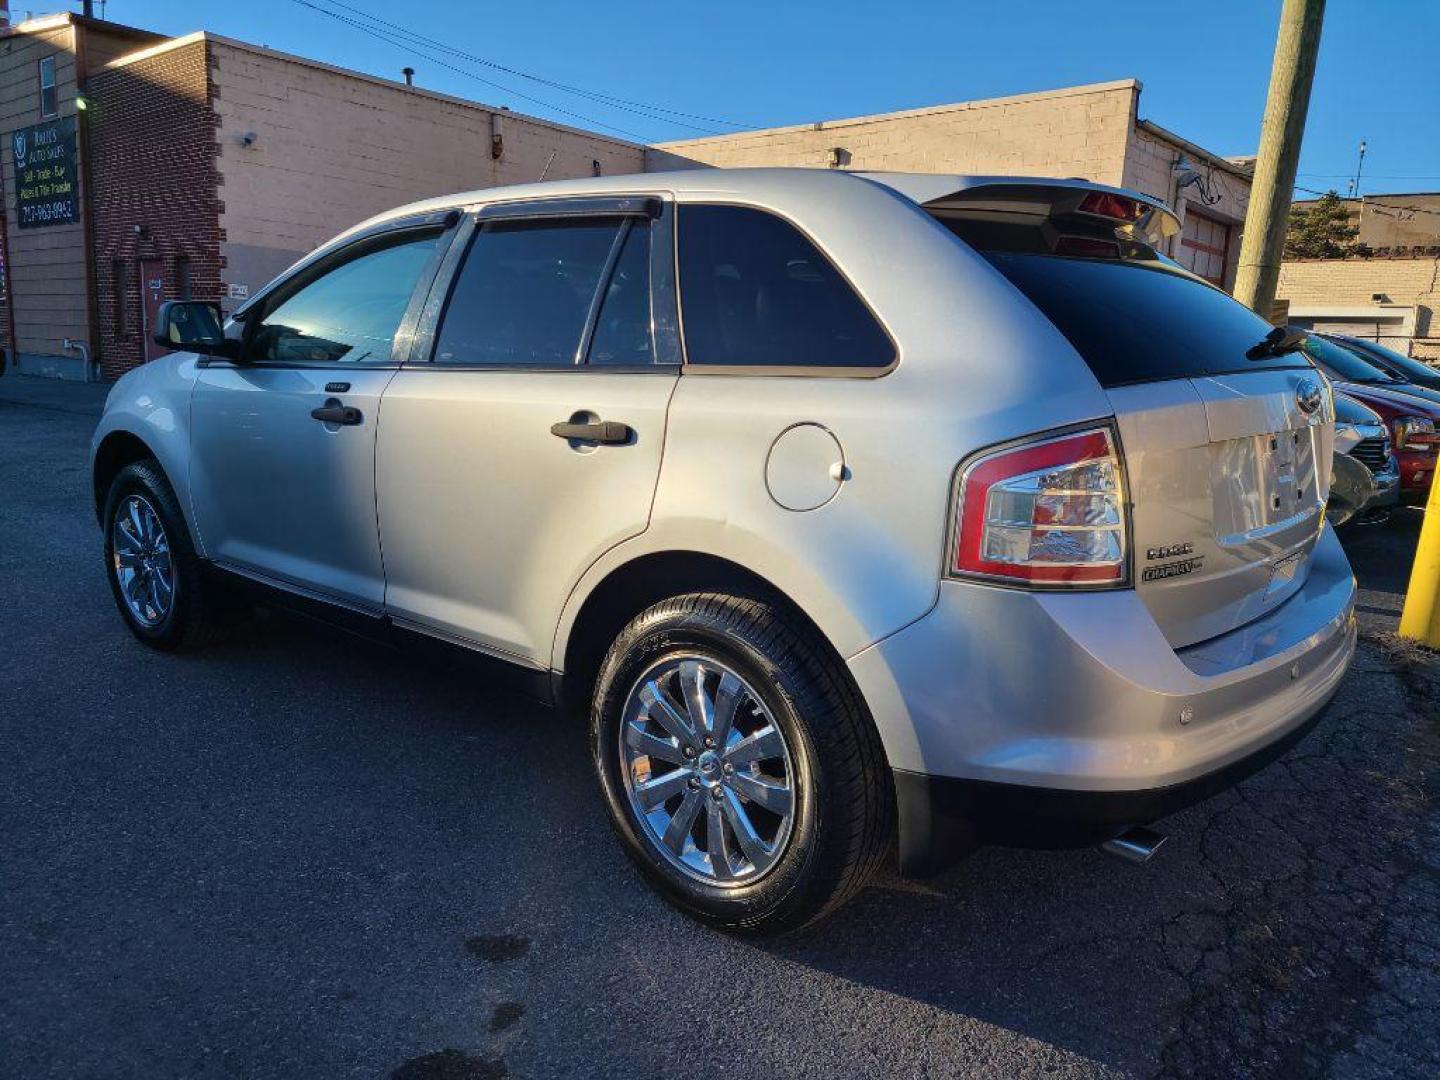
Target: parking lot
300 855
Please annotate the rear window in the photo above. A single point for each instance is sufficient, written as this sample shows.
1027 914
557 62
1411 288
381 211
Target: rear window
1134 322
754 292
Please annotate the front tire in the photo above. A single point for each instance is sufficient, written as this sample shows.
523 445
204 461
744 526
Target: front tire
155 576
739 765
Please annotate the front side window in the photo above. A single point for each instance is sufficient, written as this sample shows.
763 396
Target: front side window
49 104
755 292
523 296
352 311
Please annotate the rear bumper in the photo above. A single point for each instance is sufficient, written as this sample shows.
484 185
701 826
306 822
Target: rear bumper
942 818
1058 719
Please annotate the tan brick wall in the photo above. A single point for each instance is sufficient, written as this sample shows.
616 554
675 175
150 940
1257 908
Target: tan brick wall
1078 131
1342 283
46 275
332 148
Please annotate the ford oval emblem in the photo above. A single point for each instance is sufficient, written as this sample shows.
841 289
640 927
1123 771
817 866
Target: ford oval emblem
1308 396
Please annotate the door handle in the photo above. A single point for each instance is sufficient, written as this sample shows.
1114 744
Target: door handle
602 431
338 414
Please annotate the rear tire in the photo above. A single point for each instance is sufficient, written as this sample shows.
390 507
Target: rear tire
795 786
156 578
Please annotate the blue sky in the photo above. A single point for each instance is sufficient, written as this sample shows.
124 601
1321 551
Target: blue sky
1205 66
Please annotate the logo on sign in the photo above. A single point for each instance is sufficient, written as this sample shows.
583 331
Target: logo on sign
22 149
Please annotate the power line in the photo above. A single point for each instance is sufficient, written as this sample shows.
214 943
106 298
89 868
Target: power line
390 40
1369 201
1373 176
399 36
594 95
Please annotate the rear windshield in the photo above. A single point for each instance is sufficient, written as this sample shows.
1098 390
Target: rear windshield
1134 322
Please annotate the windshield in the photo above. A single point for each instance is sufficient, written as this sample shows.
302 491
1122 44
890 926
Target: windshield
1405 365
1341 363
1136 321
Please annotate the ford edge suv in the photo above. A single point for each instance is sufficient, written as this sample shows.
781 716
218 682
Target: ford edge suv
861 513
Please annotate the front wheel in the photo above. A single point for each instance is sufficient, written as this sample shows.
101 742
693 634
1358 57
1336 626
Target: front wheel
739 765
155 575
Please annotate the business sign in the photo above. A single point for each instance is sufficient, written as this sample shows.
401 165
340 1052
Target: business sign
47 190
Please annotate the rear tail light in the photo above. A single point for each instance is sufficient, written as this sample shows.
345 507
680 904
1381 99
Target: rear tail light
1050 511
1106 204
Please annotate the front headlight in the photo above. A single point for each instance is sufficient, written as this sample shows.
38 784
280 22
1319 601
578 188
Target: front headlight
1414 433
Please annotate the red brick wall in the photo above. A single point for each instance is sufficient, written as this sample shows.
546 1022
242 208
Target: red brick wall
155 189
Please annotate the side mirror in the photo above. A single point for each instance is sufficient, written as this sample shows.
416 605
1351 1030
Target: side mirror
193 326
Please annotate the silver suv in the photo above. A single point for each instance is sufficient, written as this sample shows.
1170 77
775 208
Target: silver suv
861 512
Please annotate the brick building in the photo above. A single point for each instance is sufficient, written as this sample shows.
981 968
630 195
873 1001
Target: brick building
1092 131
138 168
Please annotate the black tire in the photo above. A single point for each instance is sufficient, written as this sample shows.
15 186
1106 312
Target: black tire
843 821
197 613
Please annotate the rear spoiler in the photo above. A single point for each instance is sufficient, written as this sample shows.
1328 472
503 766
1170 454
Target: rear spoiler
1136 215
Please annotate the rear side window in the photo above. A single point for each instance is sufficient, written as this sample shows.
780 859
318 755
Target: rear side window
524 295
754 292
1140 322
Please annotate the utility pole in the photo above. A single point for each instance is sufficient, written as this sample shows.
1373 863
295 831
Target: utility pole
1286 104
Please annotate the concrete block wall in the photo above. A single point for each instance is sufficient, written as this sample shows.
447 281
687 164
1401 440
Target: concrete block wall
1341 283
1150 159
1078 131
308 150
153 155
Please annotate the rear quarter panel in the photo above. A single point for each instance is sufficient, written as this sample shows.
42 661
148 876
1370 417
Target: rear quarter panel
977 365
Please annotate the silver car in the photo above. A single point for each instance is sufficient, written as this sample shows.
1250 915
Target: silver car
862 513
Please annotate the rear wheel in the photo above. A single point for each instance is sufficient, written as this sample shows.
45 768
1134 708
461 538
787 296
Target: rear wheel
155 576
738 763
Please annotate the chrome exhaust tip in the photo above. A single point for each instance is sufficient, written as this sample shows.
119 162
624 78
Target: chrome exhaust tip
1135 845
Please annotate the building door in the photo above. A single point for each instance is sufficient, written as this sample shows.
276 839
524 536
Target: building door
152 294
1204 246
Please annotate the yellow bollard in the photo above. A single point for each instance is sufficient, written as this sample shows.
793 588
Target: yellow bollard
1420 621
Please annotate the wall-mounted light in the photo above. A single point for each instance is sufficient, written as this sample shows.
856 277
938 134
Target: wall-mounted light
1379 298
497 137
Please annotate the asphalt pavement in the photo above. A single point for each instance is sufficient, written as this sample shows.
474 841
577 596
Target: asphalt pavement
300 855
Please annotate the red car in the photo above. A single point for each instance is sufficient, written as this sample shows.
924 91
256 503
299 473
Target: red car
1412 412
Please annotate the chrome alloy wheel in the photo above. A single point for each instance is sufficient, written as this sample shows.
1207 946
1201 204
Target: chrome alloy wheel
707 771
140 560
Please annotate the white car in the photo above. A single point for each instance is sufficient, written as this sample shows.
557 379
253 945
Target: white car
859 510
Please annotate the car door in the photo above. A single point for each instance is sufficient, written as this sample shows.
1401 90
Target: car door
283 462
524 438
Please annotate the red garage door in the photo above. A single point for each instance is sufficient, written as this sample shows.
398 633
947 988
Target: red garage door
1204 244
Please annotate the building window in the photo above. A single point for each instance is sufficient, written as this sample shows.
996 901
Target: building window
49 105
1204 247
